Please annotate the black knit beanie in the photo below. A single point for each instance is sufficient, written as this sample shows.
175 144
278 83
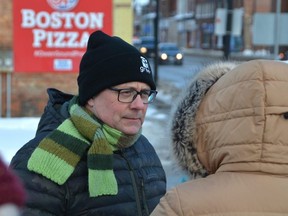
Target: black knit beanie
110 61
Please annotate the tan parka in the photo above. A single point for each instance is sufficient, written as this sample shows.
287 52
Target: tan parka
231 125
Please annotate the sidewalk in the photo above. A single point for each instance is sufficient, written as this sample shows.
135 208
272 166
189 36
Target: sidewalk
242 56
157 129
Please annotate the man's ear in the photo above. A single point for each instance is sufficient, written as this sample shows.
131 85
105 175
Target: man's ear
90 103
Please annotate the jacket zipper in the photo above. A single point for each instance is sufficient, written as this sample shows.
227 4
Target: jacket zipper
137 195
67 198
144 197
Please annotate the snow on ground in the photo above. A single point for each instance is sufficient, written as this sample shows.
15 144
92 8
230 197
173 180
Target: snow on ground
15 132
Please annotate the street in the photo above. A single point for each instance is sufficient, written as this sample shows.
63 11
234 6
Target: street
171 80
180 74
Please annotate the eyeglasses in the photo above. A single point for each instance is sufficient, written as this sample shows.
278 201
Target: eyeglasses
128 95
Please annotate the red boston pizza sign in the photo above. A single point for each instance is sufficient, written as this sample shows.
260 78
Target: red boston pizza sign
51 35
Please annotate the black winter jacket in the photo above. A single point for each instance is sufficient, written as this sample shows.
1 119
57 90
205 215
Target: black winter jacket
138 170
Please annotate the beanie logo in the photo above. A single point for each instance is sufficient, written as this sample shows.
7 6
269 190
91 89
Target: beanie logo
145 65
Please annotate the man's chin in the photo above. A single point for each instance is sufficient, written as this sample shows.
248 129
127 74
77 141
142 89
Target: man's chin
131 130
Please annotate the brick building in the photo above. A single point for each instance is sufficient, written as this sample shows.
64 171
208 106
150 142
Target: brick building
28 90
28 95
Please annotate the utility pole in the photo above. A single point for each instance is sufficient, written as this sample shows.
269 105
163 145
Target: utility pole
156 21
227 36
276 29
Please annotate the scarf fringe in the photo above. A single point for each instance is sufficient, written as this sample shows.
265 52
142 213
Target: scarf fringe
102 182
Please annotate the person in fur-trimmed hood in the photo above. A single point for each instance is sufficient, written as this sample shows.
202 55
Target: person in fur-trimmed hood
230 129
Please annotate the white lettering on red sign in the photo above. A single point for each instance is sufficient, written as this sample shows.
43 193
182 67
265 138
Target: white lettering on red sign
56 20
58 39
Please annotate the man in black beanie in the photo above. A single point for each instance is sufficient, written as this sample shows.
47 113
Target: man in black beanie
89 156
110 61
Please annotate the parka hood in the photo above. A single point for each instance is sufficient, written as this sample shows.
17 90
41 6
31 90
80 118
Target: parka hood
183 119
225 119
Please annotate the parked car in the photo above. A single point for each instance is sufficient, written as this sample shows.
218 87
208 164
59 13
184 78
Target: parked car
169 53
147 46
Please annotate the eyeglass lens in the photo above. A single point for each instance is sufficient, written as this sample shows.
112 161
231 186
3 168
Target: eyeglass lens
129 95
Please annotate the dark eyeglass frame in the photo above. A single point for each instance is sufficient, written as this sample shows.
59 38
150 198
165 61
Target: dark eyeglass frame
151 94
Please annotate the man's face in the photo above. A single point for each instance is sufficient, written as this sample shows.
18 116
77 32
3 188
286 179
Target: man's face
125 117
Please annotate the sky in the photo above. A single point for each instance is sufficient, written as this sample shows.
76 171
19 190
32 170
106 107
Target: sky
141 2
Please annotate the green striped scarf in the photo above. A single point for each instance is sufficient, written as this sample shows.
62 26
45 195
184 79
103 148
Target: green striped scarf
58 154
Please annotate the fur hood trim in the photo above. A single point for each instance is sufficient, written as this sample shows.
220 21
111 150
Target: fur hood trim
183 115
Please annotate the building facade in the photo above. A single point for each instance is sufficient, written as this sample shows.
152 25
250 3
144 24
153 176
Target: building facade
195 23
